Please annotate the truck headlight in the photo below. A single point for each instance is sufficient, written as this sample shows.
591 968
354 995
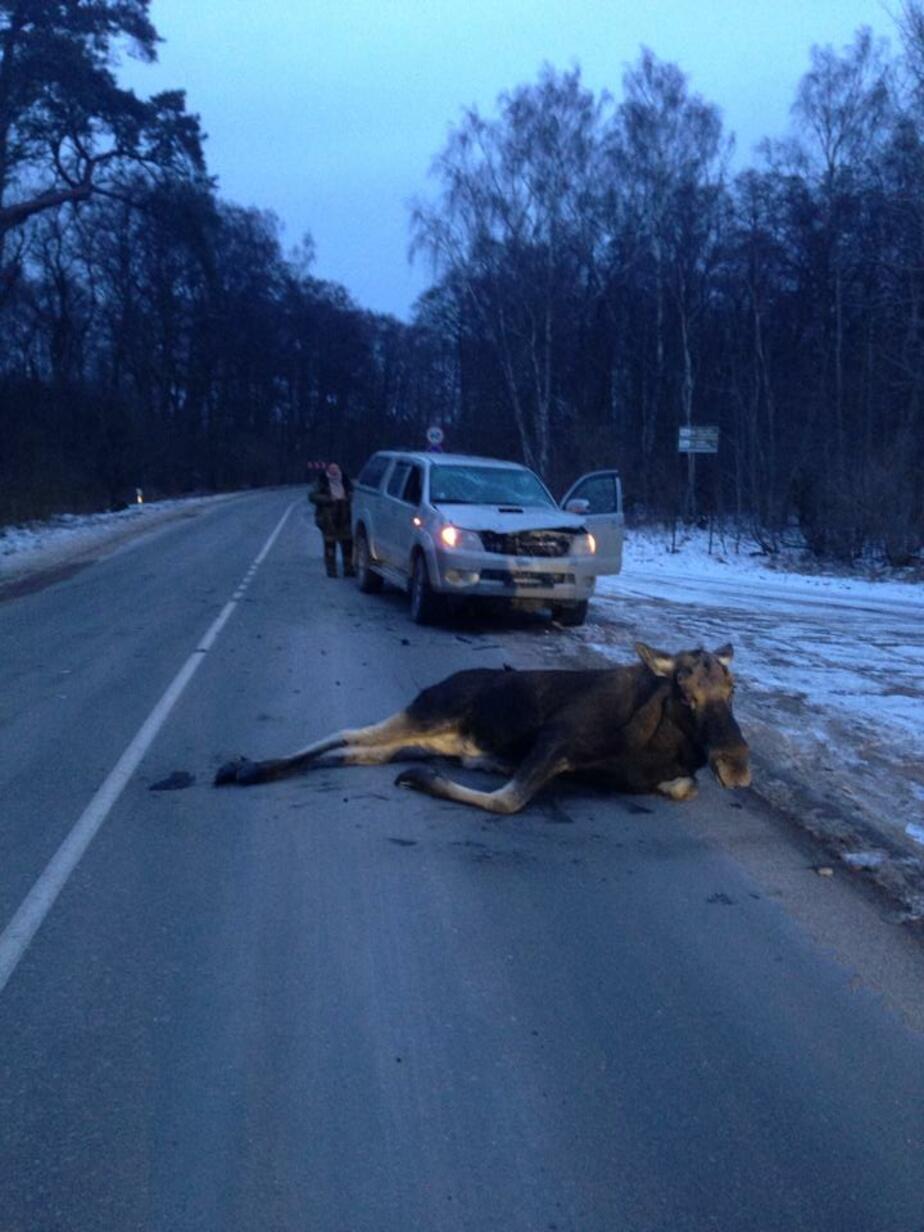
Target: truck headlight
583 545
455 537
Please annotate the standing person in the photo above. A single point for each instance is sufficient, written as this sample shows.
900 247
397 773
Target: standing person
331 497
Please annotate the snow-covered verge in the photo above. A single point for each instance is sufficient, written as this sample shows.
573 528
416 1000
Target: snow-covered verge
69 538
830 672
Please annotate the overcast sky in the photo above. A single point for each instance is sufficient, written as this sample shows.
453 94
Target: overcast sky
329 112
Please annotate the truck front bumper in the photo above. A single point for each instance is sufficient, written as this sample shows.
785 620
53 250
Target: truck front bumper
557 579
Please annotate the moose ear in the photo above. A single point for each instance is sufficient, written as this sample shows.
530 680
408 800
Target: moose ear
658 661
725 654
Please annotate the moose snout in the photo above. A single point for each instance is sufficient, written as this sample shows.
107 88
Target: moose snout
729 755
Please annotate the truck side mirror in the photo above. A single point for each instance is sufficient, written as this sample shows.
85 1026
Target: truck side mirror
577 506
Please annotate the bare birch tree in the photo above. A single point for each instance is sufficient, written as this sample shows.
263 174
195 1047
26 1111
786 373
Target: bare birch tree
506 229
669 158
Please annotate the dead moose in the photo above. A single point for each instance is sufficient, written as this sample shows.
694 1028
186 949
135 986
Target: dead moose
647 727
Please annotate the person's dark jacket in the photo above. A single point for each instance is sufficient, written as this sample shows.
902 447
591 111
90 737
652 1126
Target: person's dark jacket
331 517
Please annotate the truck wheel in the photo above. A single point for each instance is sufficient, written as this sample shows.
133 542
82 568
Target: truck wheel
570 614
369 582
426 604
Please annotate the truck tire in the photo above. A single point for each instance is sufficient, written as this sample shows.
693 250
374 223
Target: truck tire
570 614
426 605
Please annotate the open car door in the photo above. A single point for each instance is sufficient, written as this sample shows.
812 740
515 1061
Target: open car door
597 497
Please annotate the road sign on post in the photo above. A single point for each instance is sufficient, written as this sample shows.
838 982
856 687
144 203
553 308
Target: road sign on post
434 438
698 438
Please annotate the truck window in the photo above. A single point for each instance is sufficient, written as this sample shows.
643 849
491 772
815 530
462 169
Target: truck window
398 479
600 492
413 489
371 474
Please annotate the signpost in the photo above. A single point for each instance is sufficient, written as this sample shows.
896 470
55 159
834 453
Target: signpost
693 439
698 438
435 438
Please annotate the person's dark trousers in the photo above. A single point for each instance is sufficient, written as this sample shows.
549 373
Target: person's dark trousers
330 557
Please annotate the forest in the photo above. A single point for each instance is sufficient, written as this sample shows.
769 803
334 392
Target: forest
602 272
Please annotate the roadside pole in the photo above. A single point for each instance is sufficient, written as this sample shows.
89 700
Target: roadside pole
691 440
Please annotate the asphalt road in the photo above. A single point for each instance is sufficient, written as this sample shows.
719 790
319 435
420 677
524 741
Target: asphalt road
328 1004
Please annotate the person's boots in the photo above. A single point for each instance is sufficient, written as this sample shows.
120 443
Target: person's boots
348 567
330 558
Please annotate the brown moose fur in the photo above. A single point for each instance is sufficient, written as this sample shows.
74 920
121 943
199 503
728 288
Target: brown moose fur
646 727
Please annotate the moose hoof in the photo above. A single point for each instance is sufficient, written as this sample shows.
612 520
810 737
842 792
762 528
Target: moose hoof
228 772
420 778
240 771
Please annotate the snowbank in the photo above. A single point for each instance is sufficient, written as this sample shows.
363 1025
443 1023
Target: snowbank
36 546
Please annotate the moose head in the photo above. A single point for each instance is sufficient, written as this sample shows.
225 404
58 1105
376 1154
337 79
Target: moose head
702 685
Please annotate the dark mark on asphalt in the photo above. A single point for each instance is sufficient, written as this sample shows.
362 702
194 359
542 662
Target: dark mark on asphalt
556 814
492 855
176 781
404 842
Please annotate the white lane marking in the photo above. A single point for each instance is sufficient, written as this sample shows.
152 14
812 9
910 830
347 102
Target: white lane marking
16 937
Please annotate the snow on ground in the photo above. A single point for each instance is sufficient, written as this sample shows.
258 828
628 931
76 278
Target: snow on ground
830 674
853 645
36 546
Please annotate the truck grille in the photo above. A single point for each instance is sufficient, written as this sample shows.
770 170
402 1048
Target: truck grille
527 542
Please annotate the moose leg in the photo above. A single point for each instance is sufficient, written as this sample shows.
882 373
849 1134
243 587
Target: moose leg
678 789
544 761
492 765
395 732
372 755
360 746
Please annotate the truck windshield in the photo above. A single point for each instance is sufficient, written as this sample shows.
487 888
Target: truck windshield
487 485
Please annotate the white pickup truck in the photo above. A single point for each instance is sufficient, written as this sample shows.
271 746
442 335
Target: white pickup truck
449 525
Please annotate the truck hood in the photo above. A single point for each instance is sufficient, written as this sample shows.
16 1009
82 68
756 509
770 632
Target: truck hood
508 519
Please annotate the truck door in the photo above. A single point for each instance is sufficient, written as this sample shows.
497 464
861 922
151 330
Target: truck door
393 532
597 497
408 496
